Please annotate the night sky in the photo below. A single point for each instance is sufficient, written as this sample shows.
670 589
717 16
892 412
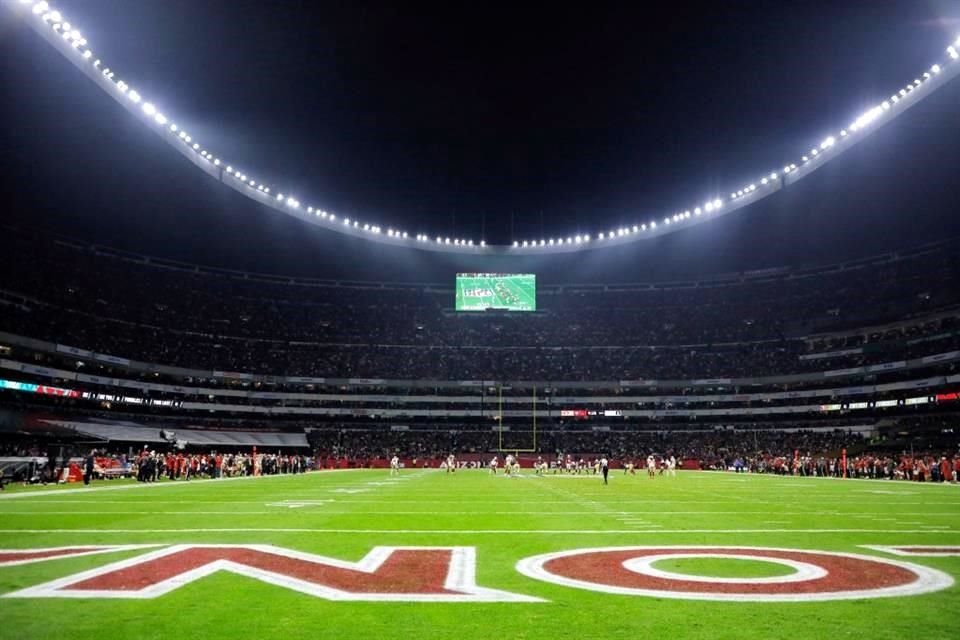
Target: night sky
485 120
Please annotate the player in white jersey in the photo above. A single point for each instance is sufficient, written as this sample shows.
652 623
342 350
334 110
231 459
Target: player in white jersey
672 466
628 468
604 465
508 464
651 465
493 465
451 463
394 465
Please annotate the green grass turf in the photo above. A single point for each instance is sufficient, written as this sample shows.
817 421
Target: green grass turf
723 568
506 520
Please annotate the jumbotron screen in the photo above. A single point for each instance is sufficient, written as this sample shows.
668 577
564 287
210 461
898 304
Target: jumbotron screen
508 291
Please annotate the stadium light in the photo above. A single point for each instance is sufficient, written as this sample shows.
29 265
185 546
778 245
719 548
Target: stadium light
72 37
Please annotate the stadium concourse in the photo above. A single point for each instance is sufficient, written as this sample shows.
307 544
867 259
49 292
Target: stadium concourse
812 370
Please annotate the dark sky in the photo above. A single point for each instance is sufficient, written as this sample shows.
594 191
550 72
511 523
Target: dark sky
485 120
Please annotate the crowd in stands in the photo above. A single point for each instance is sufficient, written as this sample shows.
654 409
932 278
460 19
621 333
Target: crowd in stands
196 319
800 452
150 466
930 454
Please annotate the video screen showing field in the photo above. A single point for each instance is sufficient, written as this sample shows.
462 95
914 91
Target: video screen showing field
509 292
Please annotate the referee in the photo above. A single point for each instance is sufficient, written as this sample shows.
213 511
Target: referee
605 468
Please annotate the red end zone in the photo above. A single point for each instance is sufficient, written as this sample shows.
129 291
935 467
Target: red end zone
394 574
818 575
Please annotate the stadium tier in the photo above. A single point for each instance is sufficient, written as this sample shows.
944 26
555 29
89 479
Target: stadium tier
89 333
789 321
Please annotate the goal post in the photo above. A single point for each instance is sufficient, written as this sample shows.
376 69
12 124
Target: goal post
529 438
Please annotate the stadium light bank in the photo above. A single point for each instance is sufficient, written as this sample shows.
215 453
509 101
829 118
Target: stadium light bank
68 39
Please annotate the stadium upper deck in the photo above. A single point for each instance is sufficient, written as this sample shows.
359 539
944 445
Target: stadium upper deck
891 308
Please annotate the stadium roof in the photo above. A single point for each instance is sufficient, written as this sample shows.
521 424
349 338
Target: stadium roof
591 232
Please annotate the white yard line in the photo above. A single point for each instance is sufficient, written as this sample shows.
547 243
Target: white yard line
156 485
454 532
642 517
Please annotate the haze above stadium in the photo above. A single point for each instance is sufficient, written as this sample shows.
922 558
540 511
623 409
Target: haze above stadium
489 124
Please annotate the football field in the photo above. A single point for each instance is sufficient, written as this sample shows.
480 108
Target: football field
468 555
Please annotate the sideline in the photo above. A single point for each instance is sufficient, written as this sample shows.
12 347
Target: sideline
153 485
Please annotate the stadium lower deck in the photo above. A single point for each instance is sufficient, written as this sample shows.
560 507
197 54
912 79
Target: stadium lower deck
507 523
